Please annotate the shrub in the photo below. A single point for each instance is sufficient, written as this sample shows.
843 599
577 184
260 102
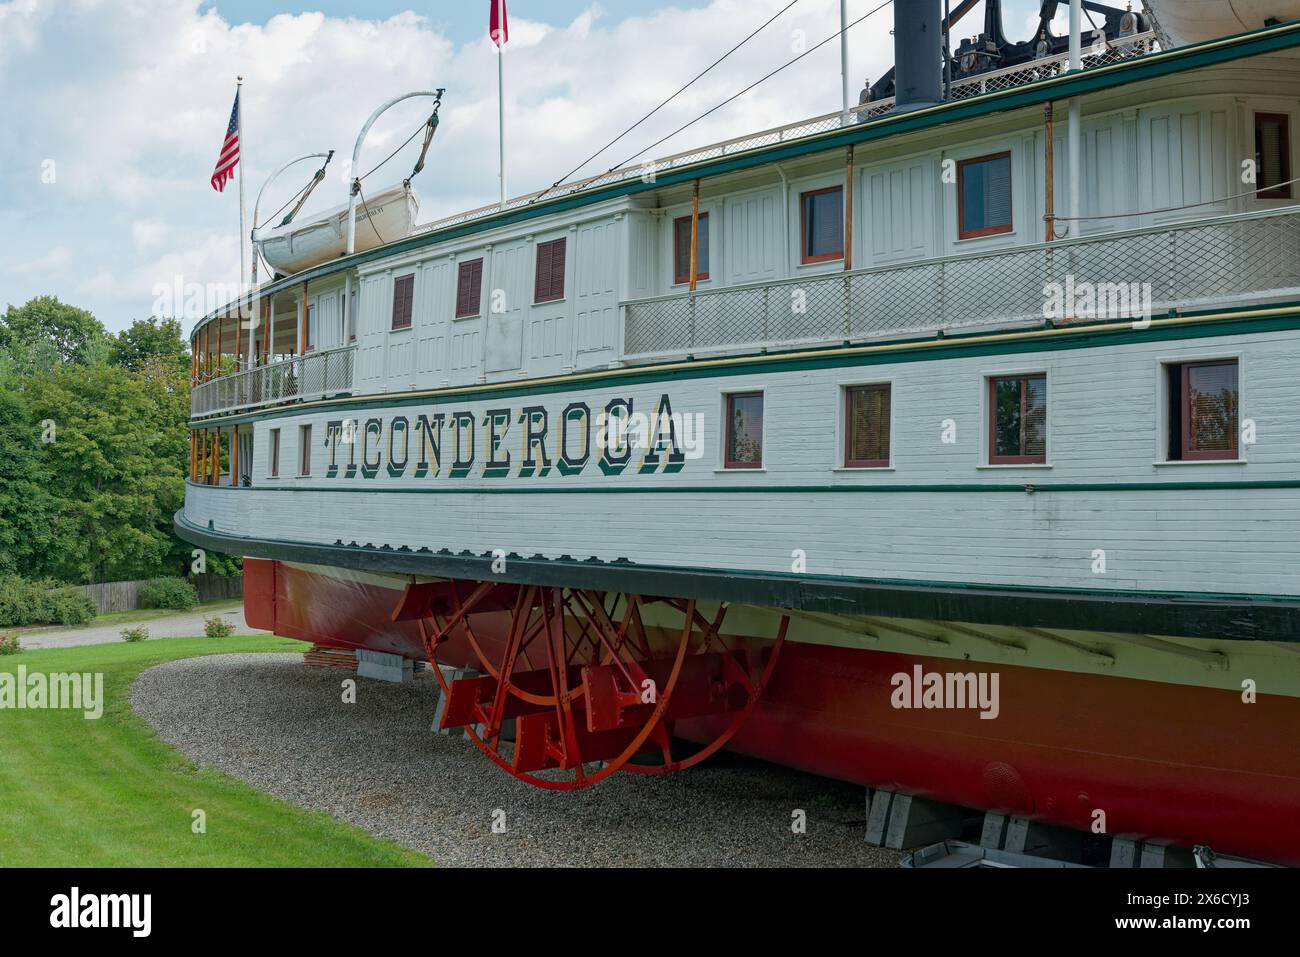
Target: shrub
218 627
21 602
68 606
24 602
9 645
168 593
138 633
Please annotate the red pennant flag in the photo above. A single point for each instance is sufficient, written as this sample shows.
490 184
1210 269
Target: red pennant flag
498 25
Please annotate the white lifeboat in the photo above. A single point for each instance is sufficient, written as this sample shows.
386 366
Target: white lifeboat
1194 21
383 218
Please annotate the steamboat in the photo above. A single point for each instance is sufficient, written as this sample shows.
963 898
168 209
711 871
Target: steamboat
990 378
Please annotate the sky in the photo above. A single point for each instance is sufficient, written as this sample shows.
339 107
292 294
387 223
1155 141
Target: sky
115 111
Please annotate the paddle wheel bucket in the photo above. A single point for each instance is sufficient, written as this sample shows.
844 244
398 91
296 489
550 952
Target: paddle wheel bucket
607 692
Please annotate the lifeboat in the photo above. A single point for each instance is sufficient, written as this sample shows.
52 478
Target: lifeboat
1194 21
383 218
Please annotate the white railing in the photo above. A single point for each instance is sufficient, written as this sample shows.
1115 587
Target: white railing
1111 52
316 375
1205 264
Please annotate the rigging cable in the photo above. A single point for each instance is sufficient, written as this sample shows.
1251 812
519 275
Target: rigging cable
306 192
1177 209
751 86
697 77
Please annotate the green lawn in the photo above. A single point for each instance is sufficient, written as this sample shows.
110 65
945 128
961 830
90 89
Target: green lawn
110 793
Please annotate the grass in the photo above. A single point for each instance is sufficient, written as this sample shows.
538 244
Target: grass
111 793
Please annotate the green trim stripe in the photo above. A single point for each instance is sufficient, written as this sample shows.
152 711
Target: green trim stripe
938 489
1285 318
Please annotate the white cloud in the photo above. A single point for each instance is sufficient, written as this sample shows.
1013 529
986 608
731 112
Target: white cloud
52 263
148 233
132 99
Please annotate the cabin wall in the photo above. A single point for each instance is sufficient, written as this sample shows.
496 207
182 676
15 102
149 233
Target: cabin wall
939 512
510 336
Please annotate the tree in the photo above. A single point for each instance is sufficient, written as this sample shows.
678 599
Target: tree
149 339
28 509
46 332
117 468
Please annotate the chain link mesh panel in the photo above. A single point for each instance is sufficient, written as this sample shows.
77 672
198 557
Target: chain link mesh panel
1185 266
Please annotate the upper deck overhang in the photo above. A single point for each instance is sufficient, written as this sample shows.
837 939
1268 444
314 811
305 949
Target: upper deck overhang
1273 40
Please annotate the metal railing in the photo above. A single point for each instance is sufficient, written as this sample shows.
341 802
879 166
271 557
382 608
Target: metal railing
1094 56
315 375
1207 263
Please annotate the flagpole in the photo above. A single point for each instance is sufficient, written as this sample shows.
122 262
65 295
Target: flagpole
844 61
243 165
501 93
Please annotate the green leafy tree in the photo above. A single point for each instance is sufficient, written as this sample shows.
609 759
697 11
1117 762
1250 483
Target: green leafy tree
46 332
28 508
147 340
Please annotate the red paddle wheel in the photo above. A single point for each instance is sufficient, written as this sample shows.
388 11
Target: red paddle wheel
581 681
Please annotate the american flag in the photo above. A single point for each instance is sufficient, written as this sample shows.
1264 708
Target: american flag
229 152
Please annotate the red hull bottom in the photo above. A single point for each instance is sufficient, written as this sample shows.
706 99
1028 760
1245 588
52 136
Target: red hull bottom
1148 759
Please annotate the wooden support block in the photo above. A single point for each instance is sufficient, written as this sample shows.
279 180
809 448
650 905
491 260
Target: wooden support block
384 667
1124 853
1157 853
915 822
994 833
878 816
1044 840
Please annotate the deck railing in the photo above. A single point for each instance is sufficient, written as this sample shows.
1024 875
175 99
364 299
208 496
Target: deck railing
316 375
1208 263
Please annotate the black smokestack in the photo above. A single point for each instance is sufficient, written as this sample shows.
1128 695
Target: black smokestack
918 54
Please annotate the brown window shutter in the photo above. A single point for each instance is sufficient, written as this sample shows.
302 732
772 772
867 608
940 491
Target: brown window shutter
548 284
557 269
474 288
403 301
469 288
542 279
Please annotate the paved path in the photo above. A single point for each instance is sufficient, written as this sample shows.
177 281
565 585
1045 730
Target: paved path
180 624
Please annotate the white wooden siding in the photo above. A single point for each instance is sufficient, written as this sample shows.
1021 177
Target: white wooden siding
1104 428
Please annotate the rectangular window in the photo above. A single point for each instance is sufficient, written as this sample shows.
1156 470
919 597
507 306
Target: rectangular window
984 196
469 288
274 470
1273 155
548 283
1018 420
311 329
352 318
682 249
304 450
1204 410
866 426
744 431
403 301
822 225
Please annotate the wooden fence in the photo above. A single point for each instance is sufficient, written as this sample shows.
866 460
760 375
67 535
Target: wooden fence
125 596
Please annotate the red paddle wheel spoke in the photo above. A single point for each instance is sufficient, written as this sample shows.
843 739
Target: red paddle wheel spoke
610 688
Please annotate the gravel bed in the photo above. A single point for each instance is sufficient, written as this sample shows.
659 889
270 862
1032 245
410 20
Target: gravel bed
282 727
